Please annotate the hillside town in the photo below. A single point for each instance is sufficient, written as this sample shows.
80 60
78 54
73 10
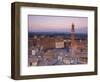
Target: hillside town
45 50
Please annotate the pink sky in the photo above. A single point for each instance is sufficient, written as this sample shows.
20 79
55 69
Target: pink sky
56 23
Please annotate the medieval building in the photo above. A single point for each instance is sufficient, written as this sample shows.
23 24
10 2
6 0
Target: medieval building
59 50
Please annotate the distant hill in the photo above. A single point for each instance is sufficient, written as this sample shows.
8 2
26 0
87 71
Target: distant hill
67 34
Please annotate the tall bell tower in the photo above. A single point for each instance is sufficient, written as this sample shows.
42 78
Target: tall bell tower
73 42
73 35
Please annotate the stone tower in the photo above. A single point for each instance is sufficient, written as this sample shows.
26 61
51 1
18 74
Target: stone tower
73 42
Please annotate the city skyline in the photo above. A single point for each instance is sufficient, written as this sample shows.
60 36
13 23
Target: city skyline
38 23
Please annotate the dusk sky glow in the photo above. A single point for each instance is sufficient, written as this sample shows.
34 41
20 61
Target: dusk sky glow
40 23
